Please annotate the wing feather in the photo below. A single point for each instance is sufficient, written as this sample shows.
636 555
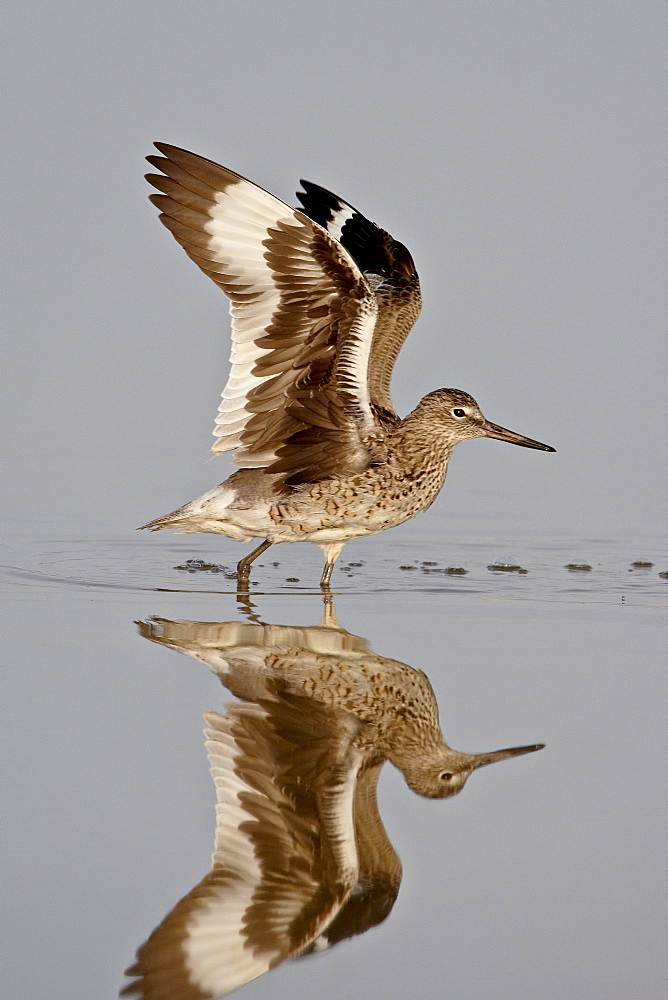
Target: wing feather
389 268
303 318
285 857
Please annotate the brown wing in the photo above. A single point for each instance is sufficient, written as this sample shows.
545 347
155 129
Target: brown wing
379 877
390 271
303 316
285 857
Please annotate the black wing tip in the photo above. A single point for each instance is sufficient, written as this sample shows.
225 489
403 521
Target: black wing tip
372 248
319 203
311 188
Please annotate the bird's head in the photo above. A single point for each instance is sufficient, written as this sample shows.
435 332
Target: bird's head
460 415
444 772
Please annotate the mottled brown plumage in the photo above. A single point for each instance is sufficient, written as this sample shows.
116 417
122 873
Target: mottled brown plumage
321 302
301 858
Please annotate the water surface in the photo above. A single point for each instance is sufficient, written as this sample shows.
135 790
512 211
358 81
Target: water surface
540 879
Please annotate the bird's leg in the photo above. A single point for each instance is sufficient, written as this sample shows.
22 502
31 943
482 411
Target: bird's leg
329 611
244 565
332 552
247 608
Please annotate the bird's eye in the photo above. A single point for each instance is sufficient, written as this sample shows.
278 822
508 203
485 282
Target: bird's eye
458 412
445 776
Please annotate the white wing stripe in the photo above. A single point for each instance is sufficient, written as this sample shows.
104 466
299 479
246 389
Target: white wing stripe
237 226
218 916
271 260
339 219
354 361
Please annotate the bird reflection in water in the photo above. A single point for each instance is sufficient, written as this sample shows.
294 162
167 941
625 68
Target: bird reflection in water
301 858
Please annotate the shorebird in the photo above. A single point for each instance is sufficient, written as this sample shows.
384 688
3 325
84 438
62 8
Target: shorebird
321 301
302 860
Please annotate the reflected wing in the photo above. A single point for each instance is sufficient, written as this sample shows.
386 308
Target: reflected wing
390 271
303 315
380 871
285 858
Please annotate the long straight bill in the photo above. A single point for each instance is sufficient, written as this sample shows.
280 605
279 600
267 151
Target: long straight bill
491 430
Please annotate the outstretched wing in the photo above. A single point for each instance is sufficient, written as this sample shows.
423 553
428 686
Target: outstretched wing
390 271
303 316
285 857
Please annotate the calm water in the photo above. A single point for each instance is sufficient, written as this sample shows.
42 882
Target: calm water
542 879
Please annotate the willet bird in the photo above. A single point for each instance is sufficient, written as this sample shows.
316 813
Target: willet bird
301 859
321 303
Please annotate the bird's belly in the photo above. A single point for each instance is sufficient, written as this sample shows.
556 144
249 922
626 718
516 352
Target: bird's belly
326 512
341 513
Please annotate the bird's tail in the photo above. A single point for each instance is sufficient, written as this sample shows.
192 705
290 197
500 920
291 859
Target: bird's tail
166 521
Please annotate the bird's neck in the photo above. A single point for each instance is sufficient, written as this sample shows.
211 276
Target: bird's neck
421 445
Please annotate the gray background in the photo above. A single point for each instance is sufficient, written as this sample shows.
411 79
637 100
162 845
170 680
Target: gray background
517 149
